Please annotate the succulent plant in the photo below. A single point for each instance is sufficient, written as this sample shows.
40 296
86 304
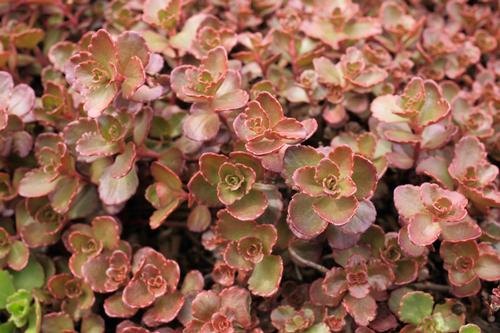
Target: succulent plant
249 166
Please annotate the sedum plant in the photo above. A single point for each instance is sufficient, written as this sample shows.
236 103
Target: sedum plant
249 166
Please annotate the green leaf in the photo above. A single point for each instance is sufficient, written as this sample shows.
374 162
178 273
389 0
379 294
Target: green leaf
19 307
7 288
134 77
470 328
7 327
18 255
318 328
32 276
116 191
445 318
37 183
415 306
35 318
266 276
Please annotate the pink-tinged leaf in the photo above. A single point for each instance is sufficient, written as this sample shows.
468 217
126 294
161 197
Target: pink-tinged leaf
94 273
107 230
363 218
464 230
193 283
164 175
335 283
385 109
4 118
344 158
265 145
271 107
184 39
64 194
134 77
216 62
422 230
467 290
437 168
103 49
364 174
250 207
324 30
160 215
306 182
328 73
37 183
406 271
209 166
363 310
435 107
469 152
115 308
437 135
199 218
266 276
488 267
161 13
6 86
60 53
142 125
202 125
234 259
401 136
363 28
164 310
336 116
202 191
57 322
236 302
407 245
116 191
407 201
129 45
22 100
380 276
97 100
297 157
302 219
92 323
429 193
136 294
291 129
205 304
319 297
93 144
18 256
370 77
336 211
231 100
124 162
340 240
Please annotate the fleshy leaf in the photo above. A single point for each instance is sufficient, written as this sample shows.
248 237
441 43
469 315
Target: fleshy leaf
37 183
7 289
115 191
250 207
363 310
266 276
415 306
302 219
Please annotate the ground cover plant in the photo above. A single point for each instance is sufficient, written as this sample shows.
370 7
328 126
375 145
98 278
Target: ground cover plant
249 166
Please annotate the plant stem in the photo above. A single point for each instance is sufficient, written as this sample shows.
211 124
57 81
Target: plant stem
306 262
432 286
